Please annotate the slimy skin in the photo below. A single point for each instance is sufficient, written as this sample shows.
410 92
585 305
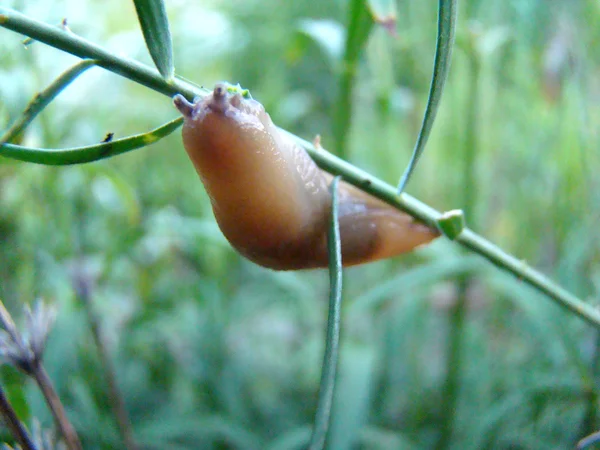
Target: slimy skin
270 199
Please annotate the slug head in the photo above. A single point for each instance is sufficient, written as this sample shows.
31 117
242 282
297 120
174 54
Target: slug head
220 132
256 182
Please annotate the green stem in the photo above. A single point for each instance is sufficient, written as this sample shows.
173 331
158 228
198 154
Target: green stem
76 45
332 341
88 153
358 29
458 312
43 99
148 77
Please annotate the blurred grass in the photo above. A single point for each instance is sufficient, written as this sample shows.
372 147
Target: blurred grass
214 352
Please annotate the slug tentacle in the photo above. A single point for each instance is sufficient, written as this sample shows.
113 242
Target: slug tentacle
185 108
271 200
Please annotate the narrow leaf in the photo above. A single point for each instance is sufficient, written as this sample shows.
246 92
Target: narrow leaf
80 155
43 99
155 26
330 360
447 11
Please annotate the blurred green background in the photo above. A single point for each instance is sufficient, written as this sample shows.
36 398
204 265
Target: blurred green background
212 351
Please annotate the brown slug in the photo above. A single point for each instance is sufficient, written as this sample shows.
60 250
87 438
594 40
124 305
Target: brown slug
270 199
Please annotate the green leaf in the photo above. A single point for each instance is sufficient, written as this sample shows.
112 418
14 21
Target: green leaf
330 360
155 26
447 11
43 99
80 155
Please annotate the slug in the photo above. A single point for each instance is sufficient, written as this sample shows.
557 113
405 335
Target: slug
270 199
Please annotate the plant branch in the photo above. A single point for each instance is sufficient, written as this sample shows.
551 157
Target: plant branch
148 77
58 411
14 424
83 291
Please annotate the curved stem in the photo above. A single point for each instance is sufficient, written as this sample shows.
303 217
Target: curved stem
43 99
148 77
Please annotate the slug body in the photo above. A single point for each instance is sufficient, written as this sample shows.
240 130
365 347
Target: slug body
270 199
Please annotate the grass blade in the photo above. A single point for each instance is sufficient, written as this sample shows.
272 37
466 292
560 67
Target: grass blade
80 155
155 27
43 99
330 359
447 11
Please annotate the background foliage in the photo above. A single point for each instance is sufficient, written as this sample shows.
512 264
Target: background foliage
214 352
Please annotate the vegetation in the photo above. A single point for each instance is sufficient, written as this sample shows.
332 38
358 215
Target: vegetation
439 348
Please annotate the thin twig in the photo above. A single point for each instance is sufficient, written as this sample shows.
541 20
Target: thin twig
83 291
148 77
14 424
58 411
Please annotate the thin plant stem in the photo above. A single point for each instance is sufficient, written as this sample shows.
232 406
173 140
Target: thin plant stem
458 311
72 43
43 98
150 78
58 411
590 417
330 358
359 26
88 153
14 424
115 396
